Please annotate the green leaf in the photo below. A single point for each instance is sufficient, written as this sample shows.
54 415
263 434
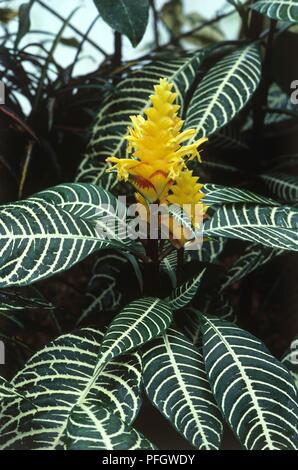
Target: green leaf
254 391
15 301
7 390
57 228
102 295
216 194
220 167
185 226
105 292
131 97
139 322
280 101
24 21
253 257
12 302
169 265
192 325
217 304
92 427
284 10
290 360
184 294
270 226
285 162
228 138
176 383
224 91
58 378
220 306
284 186
277 101
210 250
129 17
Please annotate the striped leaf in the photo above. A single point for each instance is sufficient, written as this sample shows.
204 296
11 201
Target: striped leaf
93 204
192 325
131 97
102 296
284 186
280 101
175 381
184 226
59 377
169 265
210 250
216 194
253 257
184 294
215 165
284 10
228 138
53 230
277 101
139 322
284 163
16 301
254 391
92 427
270 226
11 303
290 360
224 91
7 390
105 292
217 304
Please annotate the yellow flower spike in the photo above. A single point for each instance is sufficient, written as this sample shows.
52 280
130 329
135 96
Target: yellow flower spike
156 145
187 192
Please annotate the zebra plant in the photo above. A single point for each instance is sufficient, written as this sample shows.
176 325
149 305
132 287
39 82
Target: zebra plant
157 318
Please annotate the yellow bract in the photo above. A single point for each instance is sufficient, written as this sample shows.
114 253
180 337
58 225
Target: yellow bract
187 193
158 152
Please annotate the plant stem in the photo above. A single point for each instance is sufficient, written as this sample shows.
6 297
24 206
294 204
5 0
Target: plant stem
256 24
117 59
180 263
155 23
151 269
25 168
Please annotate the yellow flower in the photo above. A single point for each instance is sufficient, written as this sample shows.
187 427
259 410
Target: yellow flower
157 147
186 193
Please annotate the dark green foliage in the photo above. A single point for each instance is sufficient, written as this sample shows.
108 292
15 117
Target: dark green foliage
178 325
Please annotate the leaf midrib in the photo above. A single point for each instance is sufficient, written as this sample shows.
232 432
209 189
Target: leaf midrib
184 391
247 382
218 93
